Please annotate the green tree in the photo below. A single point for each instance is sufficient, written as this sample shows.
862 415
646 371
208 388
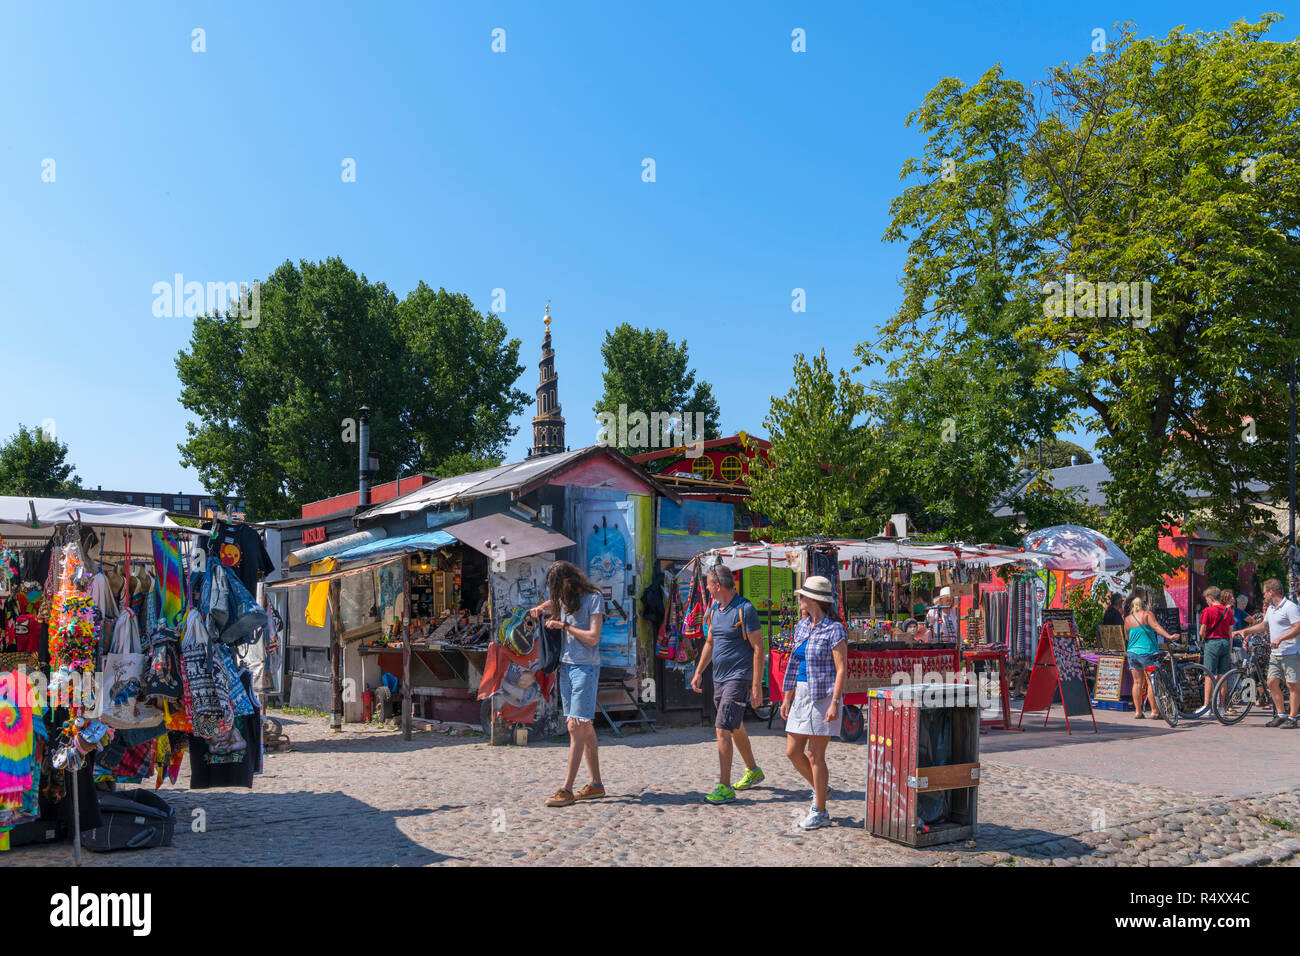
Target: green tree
277 398
814 480
646 373
1163 161
33 463
1053 453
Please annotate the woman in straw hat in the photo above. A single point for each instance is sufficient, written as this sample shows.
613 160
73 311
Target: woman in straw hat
814 691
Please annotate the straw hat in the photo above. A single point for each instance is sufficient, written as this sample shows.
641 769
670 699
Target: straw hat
818 589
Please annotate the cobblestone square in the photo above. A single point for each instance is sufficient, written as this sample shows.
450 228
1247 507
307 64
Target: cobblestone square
1137 793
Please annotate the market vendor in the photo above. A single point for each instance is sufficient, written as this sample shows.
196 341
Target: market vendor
941 619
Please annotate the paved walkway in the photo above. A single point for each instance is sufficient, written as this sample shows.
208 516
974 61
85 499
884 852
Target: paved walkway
1138 793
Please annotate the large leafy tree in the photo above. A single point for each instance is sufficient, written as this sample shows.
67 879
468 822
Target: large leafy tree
647 373
1163 161
277 400
33 463
815 477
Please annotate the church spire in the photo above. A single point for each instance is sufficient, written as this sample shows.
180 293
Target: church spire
548 423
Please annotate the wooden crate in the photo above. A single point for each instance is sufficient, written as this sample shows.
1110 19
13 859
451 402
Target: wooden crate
900 720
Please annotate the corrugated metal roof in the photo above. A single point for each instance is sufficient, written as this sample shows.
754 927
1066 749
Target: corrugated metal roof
508 538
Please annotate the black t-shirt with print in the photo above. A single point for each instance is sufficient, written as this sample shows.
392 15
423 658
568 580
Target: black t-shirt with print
240 548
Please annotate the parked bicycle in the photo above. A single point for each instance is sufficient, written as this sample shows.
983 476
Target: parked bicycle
1179 687
1237 692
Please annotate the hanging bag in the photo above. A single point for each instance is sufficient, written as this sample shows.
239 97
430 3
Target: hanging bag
693 622
670 628
162 680
209 710
123 680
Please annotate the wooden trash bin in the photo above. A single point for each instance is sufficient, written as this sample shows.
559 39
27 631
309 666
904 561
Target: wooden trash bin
923 768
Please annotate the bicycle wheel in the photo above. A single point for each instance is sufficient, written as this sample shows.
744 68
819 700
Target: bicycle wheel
1233 697
1191 691
1166 699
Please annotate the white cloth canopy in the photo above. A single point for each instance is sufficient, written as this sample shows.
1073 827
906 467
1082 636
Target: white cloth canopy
746 555
112 521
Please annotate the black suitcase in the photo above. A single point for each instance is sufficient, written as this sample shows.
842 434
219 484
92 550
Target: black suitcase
38 831
136 820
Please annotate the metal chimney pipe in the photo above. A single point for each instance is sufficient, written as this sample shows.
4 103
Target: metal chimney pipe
363 483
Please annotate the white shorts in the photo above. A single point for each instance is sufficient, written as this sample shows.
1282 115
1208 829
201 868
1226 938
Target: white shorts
808 716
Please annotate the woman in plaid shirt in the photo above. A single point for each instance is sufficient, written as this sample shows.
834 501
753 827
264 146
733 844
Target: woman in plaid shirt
813 691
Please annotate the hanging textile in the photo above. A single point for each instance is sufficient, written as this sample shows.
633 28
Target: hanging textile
997 606
824 560
16 733
319 597
170 575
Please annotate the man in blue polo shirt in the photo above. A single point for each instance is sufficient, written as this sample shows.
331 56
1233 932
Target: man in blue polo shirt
734 646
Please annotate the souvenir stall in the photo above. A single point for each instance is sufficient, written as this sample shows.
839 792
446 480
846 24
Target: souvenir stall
879 647
114 665
431 622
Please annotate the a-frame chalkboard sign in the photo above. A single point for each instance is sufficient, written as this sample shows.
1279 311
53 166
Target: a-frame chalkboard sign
1058 667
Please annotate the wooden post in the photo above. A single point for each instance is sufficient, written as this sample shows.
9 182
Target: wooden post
406 652
336 653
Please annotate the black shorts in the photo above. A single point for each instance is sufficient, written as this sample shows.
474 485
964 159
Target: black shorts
729 700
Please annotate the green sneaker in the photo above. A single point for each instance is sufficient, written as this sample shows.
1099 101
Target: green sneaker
750 778
721 794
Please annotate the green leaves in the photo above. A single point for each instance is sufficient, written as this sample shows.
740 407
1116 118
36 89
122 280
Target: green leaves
32 463
1164 161
277 403
645 372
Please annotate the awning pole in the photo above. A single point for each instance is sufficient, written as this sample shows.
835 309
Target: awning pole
406 652
336 653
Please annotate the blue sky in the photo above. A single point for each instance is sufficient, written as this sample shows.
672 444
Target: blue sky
475 170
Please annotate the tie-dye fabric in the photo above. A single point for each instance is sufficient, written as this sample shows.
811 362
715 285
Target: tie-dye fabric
170 606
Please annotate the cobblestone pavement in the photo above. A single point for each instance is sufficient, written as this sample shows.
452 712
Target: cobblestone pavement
366 797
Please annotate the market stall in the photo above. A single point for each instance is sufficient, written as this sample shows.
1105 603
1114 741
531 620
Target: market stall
115 663
418 619
878 594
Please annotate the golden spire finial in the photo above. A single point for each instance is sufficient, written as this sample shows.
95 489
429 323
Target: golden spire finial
547 318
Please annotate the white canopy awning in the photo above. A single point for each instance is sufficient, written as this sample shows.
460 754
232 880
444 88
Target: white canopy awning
920 553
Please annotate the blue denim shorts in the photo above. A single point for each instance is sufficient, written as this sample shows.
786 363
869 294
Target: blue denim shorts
1140 662
578 690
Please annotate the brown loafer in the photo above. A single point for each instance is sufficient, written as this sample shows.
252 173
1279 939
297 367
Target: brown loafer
589 792
562 798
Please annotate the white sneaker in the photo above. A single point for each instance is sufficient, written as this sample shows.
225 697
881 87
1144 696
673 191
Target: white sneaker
815 820
812 796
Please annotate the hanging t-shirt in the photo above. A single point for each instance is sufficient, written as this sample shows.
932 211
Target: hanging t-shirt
240 548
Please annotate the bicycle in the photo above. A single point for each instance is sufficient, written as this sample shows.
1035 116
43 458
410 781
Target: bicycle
1237 691
1179 690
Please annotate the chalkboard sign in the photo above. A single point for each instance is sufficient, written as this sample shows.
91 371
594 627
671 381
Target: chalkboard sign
1169 619
1069 670
1110 677
1058 671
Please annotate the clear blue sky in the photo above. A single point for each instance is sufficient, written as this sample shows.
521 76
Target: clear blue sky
475 171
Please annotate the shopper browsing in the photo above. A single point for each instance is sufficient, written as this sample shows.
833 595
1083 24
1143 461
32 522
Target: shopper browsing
813 692
734 646
577 608
1282 619
1142 646
1216 638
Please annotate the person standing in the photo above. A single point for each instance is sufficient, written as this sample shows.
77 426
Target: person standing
813 692
942 618
1282 619
734 646
1142 646
1216 638
1114 616
576 607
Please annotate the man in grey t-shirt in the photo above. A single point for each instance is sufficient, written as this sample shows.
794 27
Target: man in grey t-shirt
734 645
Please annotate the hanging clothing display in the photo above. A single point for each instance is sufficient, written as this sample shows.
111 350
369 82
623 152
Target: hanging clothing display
240 548
997 608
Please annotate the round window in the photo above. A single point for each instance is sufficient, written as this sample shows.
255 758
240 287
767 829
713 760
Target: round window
731 468
703 466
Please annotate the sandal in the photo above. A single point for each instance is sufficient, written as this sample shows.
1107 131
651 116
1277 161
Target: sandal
1140 716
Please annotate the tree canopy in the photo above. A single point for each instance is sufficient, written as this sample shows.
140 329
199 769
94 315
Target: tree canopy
33 463
277 396
646 373
1140 212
